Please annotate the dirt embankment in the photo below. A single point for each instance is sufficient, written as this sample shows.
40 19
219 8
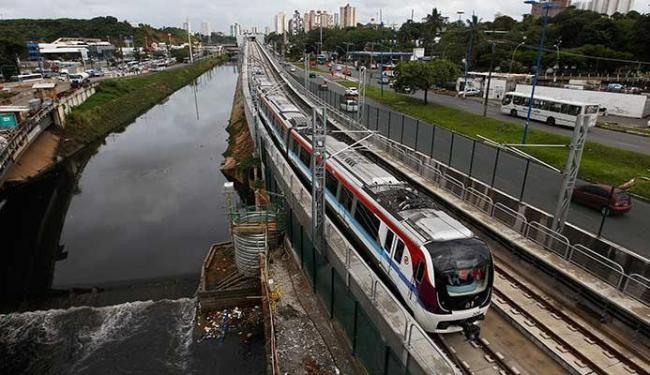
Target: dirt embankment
239 161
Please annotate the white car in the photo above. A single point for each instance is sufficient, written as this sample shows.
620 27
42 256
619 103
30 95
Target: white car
469 92
292 69
350 105
351 91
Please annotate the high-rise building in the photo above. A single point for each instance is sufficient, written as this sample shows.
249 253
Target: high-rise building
607 7
235 29
280 23
296 23
267 30
348 16
557 6
317 18
336 20
205 28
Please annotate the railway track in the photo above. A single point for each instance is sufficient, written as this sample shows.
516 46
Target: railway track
564 336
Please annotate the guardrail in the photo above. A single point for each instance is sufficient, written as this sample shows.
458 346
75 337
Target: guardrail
633 285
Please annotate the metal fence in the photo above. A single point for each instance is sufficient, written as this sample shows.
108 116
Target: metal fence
433 163
423 356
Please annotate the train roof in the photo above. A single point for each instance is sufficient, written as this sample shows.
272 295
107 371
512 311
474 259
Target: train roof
434 225
369 174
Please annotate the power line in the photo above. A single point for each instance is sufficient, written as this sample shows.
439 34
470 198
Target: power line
587 56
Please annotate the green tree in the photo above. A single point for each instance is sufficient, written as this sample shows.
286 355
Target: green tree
424 75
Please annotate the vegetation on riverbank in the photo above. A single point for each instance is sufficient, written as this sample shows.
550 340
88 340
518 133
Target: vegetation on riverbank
239 159
600 163
119 101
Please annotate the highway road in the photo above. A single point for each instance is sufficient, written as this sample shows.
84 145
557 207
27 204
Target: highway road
542 185
621 140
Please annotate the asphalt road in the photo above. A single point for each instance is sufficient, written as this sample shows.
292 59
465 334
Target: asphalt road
542 184
621 140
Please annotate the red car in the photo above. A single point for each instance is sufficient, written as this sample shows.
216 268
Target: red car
598 197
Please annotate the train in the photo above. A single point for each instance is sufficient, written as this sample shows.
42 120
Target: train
441 270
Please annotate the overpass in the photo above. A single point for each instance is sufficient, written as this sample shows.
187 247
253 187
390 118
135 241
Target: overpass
610 289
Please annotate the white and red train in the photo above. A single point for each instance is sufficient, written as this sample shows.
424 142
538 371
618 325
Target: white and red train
442 271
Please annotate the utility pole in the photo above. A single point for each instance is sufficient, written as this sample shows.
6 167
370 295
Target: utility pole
468 58
306 69
319 129
570 173
547 6
362 93
489 79
189 40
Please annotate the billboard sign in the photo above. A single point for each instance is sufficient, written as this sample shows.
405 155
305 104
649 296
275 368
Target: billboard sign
8 120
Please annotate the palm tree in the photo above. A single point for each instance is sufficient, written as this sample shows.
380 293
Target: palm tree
433 24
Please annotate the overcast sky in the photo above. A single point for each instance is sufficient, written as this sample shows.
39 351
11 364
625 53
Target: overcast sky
222 13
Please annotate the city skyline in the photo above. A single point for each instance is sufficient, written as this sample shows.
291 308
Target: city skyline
221 15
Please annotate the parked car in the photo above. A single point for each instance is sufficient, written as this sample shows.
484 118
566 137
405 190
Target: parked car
351 91
615 87
469 92
597 196
312 75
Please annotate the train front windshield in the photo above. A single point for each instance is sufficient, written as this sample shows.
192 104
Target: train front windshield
463 266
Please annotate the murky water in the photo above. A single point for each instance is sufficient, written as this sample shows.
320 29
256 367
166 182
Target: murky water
130 338
124 227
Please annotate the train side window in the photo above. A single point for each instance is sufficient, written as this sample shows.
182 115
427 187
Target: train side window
295 148
367 220
399 251
419 272
346 198
389 240
304 157
331 183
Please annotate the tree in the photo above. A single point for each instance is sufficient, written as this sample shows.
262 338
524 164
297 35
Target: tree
424 75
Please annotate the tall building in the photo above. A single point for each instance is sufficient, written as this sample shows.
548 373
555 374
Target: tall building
537 9
348 16
336 20
267 30
296 23
235 29
610 7
317 18
280 23
205 28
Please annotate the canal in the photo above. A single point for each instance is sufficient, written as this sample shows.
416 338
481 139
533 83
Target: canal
101 256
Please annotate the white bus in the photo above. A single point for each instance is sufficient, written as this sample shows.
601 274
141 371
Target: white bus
27 77
548 110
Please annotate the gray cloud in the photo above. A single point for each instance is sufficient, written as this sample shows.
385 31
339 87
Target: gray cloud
222 13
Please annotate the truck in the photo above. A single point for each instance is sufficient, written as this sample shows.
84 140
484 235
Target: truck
79 79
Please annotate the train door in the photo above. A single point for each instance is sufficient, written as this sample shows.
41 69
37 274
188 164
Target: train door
387 242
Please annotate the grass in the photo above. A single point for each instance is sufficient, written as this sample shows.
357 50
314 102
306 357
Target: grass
600 163
119 101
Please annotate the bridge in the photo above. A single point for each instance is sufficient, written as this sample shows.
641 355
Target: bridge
382 333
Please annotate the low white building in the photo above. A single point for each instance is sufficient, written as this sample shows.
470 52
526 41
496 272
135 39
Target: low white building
500 83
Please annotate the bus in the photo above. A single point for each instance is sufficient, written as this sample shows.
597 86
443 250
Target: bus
27 77
548 110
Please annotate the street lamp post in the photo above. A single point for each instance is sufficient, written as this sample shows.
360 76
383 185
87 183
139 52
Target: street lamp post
487 88
512 60
546 5
557 60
